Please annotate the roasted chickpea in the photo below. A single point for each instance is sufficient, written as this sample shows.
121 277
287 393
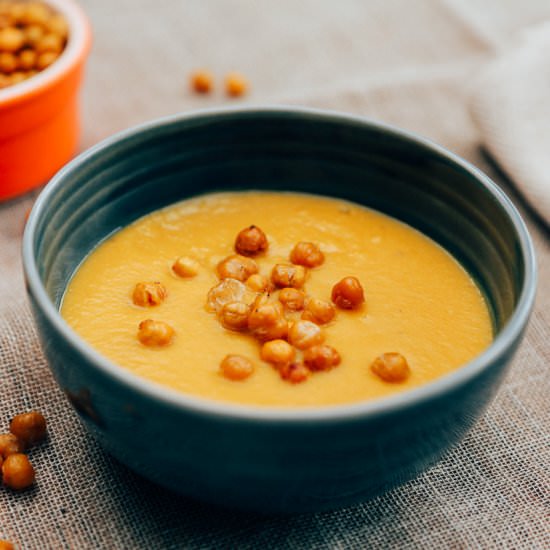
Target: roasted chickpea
236 367
8 62
11 39
284 275
307 254
295 372
228 290
149 294
258 283
251 241
201 81
185 267
6 545
33 35
57 24
155 333
348 293
45 59
234 316
17 472
49 43
266 321
10 444
292 298
35 13
391 367
235 84
278 352
321 357
29 428
237 267
304 334
318 311
26 59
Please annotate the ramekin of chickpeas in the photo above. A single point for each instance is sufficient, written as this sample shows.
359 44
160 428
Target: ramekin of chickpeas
43 48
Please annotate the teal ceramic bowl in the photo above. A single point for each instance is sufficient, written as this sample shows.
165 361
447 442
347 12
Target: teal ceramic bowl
269 459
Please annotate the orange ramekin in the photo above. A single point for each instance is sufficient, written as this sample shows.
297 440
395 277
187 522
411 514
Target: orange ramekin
39 119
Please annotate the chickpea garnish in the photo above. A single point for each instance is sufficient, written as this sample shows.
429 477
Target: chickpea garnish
237 267
251 241
318 311
304 334
258 283
321 357
155 333
29 428
33 35
49 43
17 472
391 367
295 372
8 62
292 298
6 544
149 294
45 60
278 352
10 444
26 59
236 367
228 290
201 81
235 84
185 267
348 293
266 321
234 316
284 275
35 13
307 254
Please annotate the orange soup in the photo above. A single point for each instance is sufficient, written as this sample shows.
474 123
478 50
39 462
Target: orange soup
362 305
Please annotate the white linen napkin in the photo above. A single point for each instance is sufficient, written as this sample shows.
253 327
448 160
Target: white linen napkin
511 107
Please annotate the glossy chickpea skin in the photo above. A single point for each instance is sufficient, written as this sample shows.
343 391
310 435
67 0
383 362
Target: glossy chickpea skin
235 85
391 367
258 283
266 322
307 254
155 333
17 472
185 267
251 241
284 275
292 298
236 367
237 267
234 316
318 311
201 81
10 444
348 293
278 352
295 372
149 294
304 334
321 357
29 428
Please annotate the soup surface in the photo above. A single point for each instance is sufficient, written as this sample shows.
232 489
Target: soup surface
419 301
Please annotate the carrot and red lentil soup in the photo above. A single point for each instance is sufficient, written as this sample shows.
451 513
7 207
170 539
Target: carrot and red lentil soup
277 299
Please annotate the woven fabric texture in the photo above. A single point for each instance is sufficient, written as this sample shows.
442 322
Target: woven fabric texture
407 63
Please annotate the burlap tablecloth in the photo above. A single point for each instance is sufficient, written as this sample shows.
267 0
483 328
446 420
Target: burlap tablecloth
409 63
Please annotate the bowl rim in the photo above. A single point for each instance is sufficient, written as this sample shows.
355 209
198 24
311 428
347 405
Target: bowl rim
77 47
294 414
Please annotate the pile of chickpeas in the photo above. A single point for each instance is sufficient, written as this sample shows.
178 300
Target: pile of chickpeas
26 430
32 37
276 311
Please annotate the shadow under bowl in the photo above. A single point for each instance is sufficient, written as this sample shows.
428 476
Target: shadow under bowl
269 459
